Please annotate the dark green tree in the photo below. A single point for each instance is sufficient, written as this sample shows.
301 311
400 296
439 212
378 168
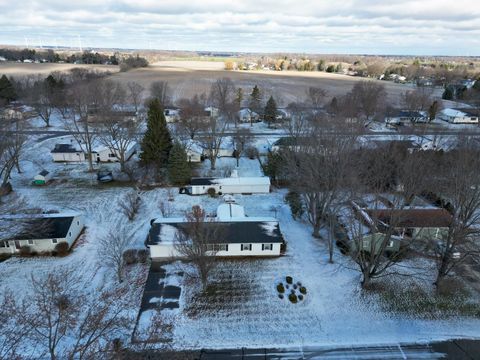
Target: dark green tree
294 200
447 94
256 100
270 111
7 91
157 142
179 171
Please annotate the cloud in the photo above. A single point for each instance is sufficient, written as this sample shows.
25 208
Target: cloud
351 26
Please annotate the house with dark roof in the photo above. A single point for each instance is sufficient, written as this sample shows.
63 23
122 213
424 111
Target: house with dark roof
39 232
402 117
417 223
241 235
67 153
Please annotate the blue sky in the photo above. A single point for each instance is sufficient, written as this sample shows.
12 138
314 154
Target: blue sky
420 27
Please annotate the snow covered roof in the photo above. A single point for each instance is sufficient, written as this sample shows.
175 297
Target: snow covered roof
229 211
65 148
248 230
452 112
38 226
260 180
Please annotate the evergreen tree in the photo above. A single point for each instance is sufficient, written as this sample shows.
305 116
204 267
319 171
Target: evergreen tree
156 143
270 111
256 100
447 94
179 170
7 91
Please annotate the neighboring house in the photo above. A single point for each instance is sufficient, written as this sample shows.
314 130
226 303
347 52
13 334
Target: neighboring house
40 232
231 185
42 178
101 153
194 151
67 153
241 235
105 154
211 111
172 115
246 115
401 117
2 59
375 241
417 223
459 116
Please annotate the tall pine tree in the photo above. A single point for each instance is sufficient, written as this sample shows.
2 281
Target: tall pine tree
270 111
256 100
179 170
7 91
156 143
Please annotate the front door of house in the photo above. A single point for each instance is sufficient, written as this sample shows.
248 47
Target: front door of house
17 245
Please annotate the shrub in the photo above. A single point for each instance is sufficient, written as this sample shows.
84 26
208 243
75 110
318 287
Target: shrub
211 192
295 286
289 279
293 298
130 256
280 288
4 257
142 255
62 248
25 251
294 200
251 152
303 290
280 296
300 297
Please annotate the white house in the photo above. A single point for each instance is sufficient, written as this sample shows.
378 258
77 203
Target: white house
171 115
41 233
105 154
401 117
67 153
231 185
246 116
459 116
194 151
241 235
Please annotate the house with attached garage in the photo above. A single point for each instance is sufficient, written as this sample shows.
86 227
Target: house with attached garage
39 232
459 116
402 117
69 153
231 185
241 235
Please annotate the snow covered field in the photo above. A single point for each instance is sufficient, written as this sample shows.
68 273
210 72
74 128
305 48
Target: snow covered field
245 311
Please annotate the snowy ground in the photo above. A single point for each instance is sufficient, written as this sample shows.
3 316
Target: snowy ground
246 310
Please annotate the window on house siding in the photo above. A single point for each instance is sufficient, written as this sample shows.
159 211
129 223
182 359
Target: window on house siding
54 241
217 247
267 246
3 244
111 155
30 242
70 234
246 247
78 223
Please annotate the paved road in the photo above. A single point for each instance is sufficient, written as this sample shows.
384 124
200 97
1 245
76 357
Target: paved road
449 132
454 349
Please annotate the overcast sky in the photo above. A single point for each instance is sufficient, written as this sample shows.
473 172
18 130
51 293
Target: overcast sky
430 27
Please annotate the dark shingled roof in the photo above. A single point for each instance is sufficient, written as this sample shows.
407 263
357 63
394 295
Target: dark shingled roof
44 173
238 232
413 218
201 181
64 148
41 227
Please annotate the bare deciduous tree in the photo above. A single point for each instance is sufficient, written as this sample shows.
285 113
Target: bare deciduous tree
459 185
192 115
111 248
222 94
196 242
241 140
369 99
11 145
212 139
417 101
135 91
316 97
130 204
161 91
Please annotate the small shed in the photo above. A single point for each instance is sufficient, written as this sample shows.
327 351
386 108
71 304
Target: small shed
42 178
